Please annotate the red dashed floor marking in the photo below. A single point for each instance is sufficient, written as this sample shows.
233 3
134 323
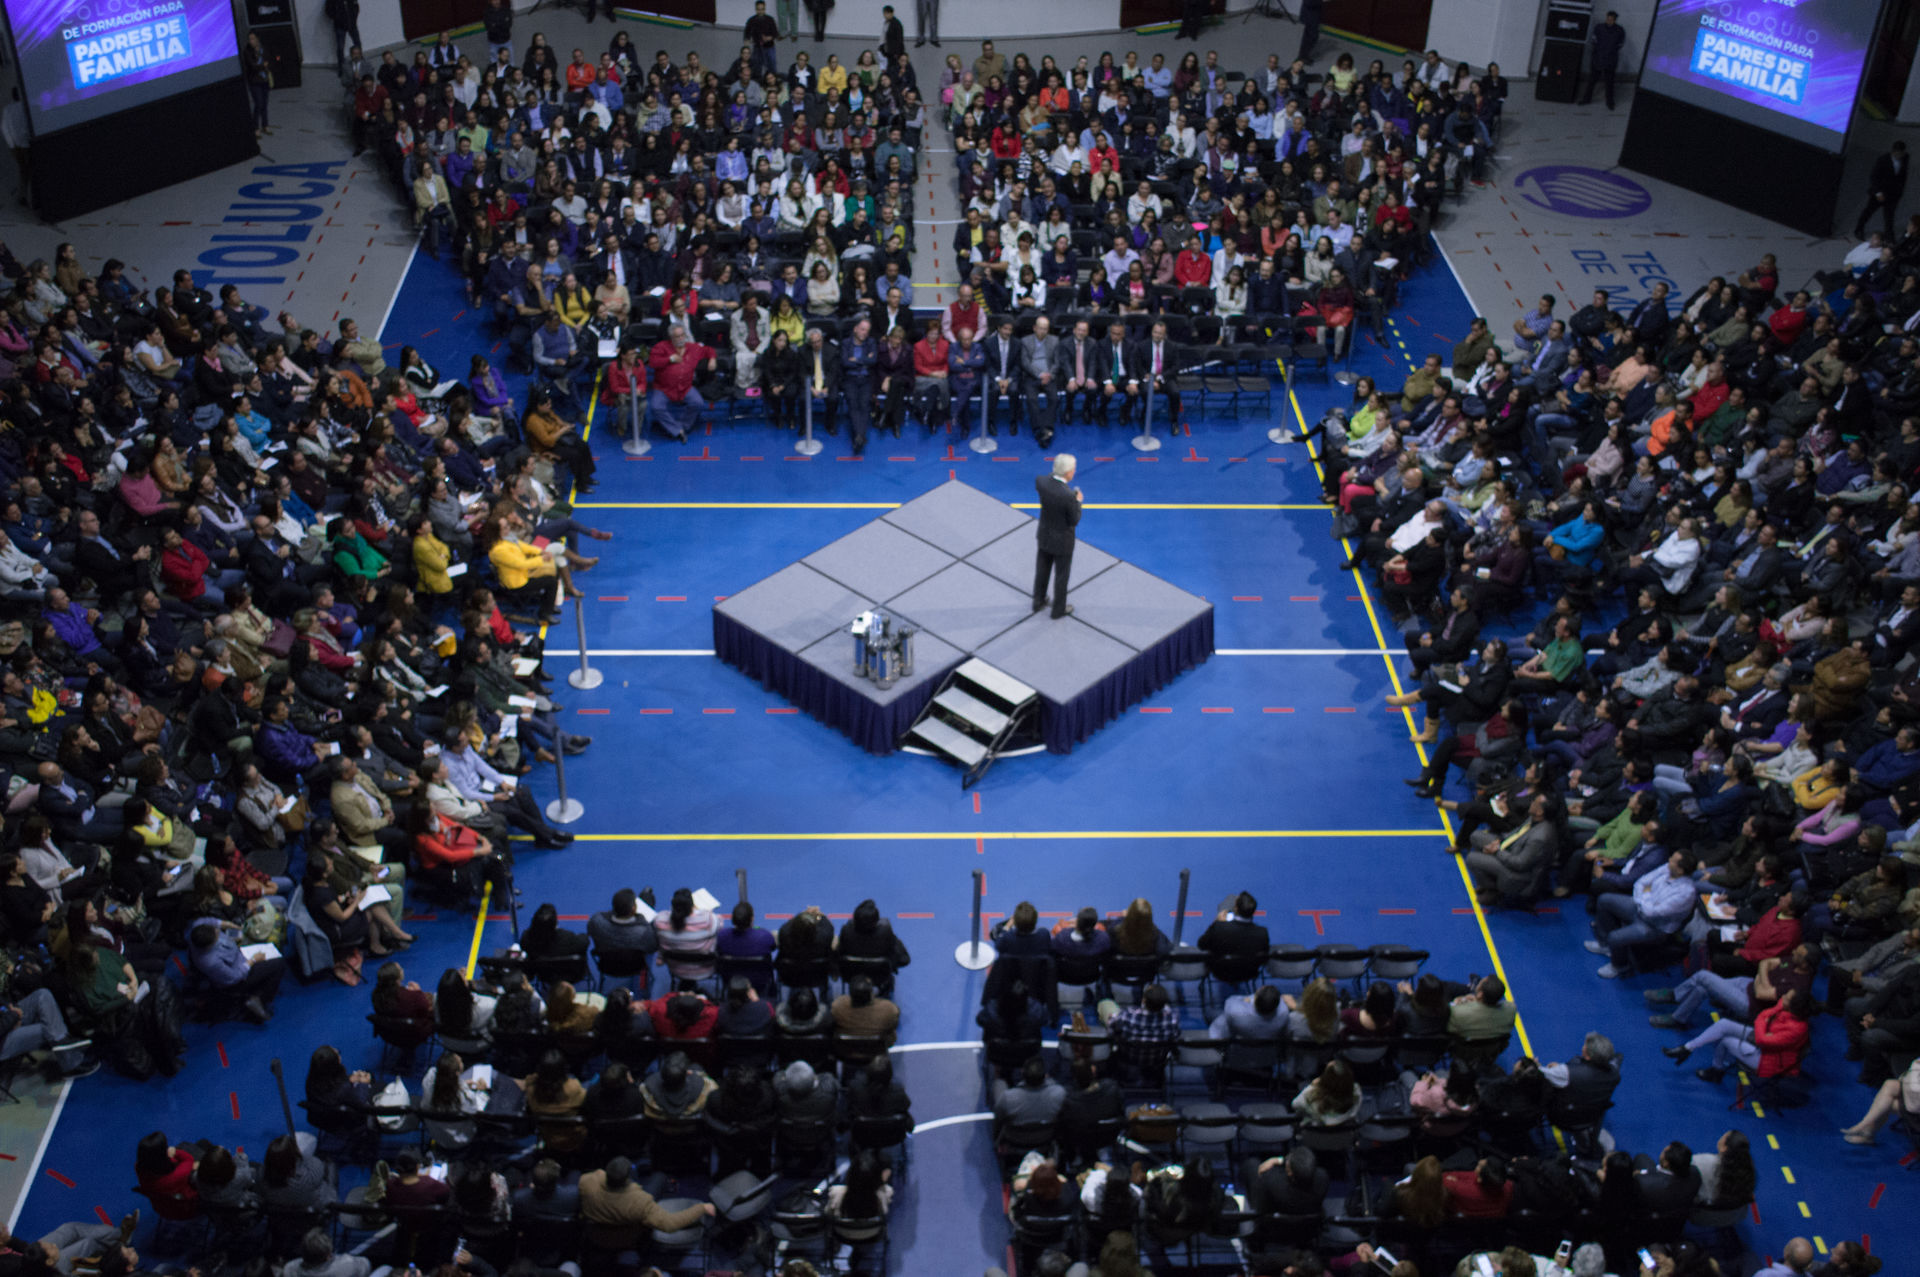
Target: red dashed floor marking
656 711
1873 1203
613 598
925 915
669 598
1340 709
1397 913
1216 709
1246 598
1303 598
781 709
1319 917
233 1098
100 1213
716 711
1278 709
593 711
1155 709
221 1047
60 1179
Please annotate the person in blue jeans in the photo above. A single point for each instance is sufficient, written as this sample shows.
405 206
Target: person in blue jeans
34 1023
1658 905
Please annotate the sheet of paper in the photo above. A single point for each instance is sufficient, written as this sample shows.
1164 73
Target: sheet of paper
609 348
261 951
481 1075
524 665
442 390
376 895
456 569
509 729
704 899
435 693
646 911
521 702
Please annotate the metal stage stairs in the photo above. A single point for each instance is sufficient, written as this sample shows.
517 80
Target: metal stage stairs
977 714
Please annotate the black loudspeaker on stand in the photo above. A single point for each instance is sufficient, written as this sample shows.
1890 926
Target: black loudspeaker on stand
273 22
1558 78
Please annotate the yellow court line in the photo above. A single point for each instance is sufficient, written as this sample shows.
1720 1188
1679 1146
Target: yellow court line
486 889
1011 835
738 505
1446 824
479 926
895 505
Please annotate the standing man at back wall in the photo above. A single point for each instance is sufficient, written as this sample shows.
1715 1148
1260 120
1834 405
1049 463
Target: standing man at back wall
1608 39
1884 189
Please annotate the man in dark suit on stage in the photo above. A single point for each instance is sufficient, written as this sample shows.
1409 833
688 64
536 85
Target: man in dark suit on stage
1059 515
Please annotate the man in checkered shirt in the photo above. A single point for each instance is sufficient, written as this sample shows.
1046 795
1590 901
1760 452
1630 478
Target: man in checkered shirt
1142 1032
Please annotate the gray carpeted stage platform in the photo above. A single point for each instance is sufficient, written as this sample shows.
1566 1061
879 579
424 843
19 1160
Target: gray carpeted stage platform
959 565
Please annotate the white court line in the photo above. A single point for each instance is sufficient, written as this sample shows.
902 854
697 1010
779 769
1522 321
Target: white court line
46 1138
1224 651
381 332
938 1122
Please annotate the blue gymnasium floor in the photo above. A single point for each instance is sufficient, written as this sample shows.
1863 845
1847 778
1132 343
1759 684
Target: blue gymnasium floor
1273 767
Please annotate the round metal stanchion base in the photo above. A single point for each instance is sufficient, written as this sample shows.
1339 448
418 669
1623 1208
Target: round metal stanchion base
586 678
565 812
983 445
808 447
1345 377
1279 434
636 447
974 957
1147 443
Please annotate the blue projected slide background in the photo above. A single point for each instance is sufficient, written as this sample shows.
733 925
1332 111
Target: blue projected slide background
1799 60
80 59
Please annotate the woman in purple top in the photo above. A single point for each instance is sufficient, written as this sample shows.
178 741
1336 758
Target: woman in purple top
741 939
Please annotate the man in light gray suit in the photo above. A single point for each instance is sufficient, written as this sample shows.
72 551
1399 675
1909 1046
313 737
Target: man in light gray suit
1038 352
1542 368
1509 864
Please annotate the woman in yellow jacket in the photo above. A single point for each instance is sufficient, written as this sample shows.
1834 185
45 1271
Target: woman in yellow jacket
521 565
833 76
574 303
431 558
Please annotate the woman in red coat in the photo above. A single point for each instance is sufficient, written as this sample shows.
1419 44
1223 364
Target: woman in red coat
441 842
165 1175
1773 1047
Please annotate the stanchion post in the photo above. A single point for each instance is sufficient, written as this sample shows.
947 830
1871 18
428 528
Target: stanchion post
637 445
981 442
740 884
586 676
806 445
1180 908
562 810
975 954
1345 376
280 1080
1145 441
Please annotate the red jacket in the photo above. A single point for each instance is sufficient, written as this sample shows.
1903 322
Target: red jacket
666 1028
327 654
1771 937
930 357
184 570
674 380
622 382
1192 269
455 844
1782 1038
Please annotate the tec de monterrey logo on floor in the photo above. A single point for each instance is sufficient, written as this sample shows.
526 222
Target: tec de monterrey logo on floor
1582 192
